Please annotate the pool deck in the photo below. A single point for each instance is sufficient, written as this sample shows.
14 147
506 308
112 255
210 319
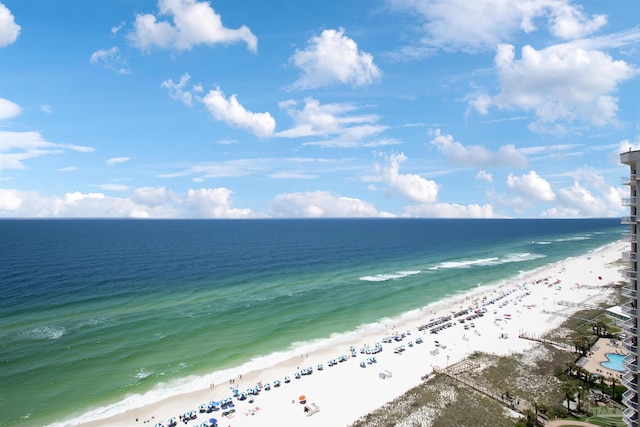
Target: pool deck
598 354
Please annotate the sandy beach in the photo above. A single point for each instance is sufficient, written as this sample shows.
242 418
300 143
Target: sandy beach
346 391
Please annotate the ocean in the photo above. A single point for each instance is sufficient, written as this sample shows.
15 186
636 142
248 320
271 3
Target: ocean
98 316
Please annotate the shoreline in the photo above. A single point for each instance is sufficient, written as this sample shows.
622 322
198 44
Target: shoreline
332 389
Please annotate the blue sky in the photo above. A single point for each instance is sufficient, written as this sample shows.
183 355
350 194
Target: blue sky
335 108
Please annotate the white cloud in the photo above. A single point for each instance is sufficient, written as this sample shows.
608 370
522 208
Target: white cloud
477 155
233 113
531 186
8 109
559 84
16 147
68 169
480 25
193 23
115 160
589 196
213 203
177 90
110 60
154 196
333 58
319 204
623 147
338 124
116 28
568 22
46 109
450 210
228 110
113 187
9 30
412 187
484 176
146 203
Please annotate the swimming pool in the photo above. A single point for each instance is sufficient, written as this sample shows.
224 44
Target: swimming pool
614 362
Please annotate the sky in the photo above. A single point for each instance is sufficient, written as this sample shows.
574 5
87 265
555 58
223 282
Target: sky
308 109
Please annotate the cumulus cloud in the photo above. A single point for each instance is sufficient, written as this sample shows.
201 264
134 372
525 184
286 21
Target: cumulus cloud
319 204
412 187
233 113
115 160
590 195
147 202
16 147
193 23
8 109
154 196
333 58
450 210
213 203
9 30
228 110
531 186
110 60
479 25
559 84
333 125
484 176
477 155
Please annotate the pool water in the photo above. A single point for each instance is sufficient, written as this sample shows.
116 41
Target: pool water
614 362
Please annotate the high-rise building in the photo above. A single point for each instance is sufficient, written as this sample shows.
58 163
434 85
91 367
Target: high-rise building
630 327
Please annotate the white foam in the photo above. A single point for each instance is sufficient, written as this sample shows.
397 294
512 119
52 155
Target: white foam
45 332
389 276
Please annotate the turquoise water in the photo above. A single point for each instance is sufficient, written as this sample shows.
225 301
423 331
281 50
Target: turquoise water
614 362
98 316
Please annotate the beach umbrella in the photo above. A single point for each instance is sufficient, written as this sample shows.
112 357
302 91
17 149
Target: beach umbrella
213 421
302 398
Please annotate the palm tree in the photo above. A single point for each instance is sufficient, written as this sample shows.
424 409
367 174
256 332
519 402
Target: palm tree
586 344
614 382
580 395
569 390
603 328
571 366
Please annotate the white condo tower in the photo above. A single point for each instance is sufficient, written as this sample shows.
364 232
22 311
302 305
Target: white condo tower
630 340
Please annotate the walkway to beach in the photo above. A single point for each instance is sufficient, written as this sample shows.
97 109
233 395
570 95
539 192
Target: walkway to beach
560 423
511 402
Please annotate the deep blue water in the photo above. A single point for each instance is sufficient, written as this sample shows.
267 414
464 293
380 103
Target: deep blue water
131 301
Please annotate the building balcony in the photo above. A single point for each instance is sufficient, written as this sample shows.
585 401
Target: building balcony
629 274
630 309
630 399
630 380
628 201
629 326
630 363
629 292
627 180
628 220
630 346
630 238
628 255
630 417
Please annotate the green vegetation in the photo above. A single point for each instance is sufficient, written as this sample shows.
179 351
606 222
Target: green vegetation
547 377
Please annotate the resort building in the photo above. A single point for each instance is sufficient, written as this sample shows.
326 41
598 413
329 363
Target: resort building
630 326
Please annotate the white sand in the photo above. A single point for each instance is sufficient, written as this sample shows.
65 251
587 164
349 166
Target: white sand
346 391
